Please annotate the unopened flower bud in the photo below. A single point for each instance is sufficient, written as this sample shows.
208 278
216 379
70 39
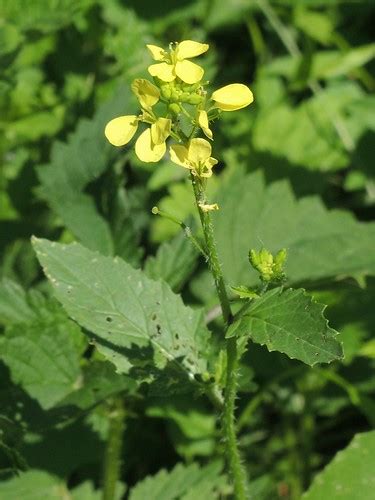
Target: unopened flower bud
174 108
194 99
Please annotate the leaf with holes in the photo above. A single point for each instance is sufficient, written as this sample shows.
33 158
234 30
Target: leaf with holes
132 318
292 323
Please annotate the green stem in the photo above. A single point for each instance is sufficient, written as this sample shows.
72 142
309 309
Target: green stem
112 456
236 471
213 259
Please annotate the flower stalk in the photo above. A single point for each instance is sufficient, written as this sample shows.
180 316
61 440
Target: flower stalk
236 471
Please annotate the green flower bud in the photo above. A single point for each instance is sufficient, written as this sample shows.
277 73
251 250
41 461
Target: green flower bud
166 91
175 96
184 97
195 99
174 108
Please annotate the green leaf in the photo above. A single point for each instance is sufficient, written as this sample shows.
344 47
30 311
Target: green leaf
350 475
174 261
321 243
43 355
73 166
126 312
290 322
326 64
181 483
42 15
308 136
32 485
14 303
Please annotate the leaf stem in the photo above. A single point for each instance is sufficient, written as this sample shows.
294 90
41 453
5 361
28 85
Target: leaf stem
112 456
236 471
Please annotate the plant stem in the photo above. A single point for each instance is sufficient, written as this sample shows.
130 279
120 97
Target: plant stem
213 259
236 471
112 457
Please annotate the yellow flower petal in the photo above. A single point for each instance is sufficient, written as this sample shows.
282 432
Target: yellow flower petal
146 150
203 123
179 155
189 72
120 130
163 71
147 93
232 97
188 48
160 130
199 151
211 162
158 53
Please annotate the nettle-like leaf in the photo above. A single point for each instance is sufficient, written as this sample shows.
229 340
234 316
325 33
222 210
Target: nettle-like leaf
350 475
290 322
321 243
132 318
181 483
73 166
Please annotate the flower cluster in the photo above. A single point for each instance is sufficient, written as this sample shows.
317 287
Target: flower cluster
177 95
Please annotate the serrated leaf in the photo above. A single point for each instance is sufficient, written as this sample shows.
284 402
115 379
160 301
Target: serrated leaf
290 322
350 475
127 312
43 356
174 261
321 243
181 483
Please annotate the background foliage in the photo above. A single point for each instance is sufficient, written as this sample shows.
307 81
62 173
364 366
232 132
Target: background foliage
295 172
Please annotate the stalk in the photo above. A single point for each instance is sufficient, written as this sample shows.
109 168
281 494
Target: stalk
112 456
236 471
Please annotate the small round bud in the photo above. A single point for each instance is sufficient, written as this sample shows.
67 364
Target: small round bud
174 108
166 91
155 210
175 96
194 99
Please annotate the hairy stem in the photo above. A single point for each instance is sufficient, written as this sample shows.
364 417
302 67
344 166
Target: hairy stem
235 469
112 457
213 259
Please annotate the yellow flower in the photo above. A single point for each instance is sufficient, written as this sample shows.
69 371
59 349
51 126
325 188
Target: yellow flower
203 123
232 97
150 145
175 63
147 93
196 157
